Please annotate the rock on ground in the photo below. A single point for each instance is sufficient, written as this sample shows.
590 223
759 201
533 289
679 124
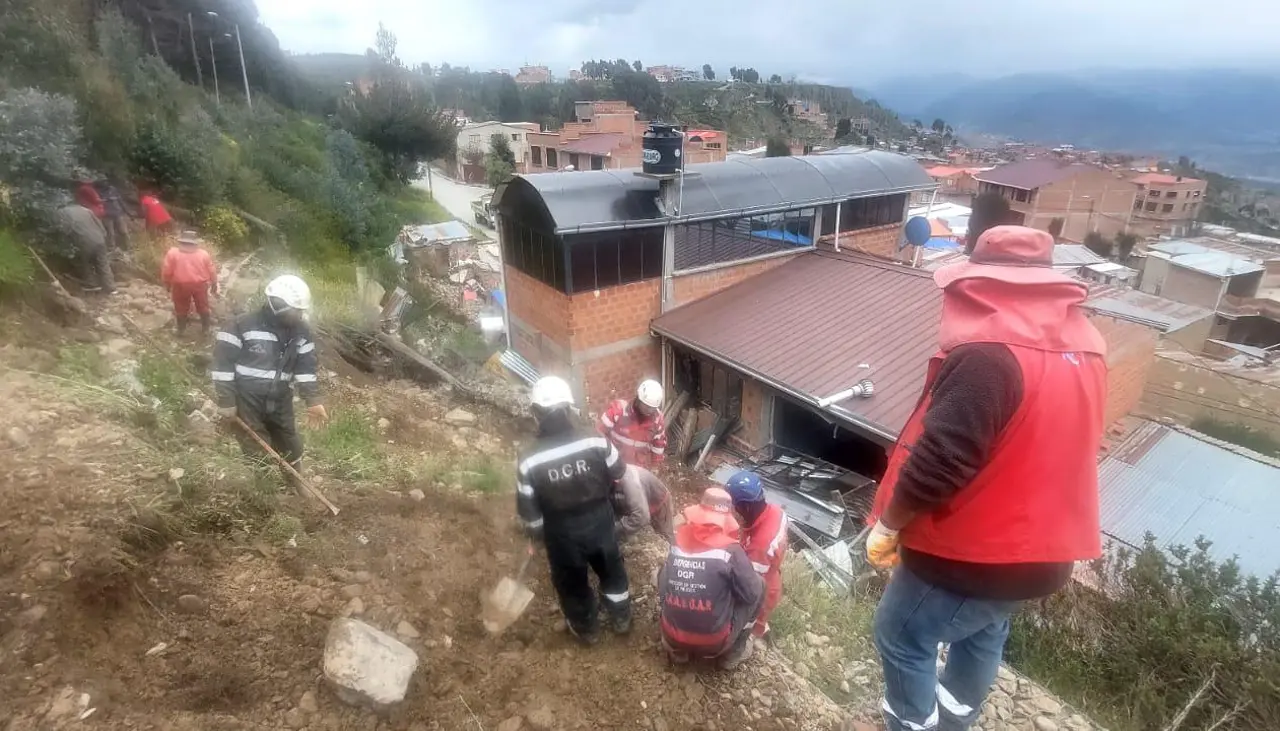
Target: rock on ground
460 417
366 666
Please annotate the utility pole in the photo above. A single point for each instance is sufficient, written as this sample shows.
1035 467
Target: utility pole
244 71
195 58
213 63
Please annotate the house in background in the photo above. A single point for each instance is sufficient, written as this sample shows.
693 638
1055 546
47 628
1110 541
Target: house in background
608 135
956 183
1045 191
1188 272
1166 205
530 75
477 139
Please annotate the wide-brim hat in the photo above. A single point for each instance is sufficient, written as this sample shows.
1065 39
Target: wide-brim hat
189 237
1012 254
715 508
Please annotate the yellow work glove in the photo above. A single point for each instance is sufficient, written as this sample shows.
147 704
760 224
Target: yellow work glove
882 547
317 416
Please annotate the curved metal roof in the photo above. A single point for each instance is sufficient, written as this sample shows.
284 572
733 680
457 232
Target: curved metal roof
612 199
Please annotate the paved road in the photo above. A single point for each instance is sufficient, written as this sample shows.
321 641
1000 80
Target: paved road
457 197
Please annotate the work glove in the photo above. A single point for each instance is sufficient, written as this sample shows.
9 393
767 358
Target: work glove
317 416
882 547
226 412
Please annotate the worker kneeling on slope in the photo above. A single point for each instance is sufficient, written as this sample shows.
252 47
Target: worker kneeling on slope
564 484
257 360
708 591
764 538
636 428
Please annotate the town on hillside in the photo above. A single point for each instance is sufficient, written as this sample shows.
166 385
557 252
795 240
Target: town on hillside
351 391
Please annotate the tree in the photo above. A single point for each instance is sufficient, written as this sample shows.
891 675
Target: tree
637 65
843 127
989 210
1055 227
500 162
708 73
777 146
735 74
917 125
938 126
751 76
775 79
1124 246
1098 244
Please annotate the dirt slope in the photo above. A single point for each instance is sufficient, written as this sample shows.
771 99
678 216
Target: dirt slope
89 590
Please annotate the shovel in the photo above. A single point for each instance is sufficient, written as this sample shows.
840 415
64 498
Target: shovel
508 600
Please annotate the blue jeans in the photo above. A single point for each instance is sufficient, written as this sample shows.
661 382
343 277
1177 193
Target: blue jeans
913 618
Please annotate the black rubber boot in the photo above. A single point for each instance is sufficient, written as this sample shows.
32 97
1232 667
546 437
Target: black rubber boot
182 326
587 637
206 323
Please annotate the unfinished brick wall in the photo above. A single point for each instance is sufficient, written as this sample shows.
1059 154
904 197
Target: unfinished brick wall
1130 350
881 241
617 375
613 314
755 430
690 287
1181 388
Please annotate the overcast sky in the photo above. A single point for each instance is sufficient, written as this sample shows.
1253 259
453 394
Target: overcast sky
845 41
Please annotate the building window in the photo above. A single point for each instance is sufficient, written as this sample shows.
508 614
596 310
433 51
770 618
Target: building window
573 160
551 159
1021 196
597 162
1171 194
1167 208
515 137
1151 208
1137 203
732 239
711 145
537 155
1153 193
474 140
538 254
1195 194
863 213
1185 206
612 258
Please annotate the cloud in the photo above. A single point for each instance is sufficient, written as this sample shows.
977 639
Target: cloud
853 42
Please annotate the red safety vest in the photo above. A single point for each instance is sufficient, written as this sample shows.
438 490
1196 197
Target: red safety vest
1036 500
640 441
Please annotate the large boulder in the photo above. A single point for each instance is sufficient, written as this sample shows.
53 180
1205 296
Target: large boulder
365 666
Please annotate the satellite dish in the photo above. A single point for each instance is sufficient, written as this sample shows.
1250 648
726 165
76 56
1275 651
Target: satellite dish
916 232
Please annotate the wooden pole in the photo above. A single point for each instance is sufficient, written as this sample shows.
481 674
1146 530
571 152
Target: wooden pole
288 467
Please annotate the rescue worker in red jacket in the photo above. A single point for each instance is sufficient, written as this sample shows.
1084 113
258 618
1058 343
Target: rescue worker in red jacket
707 591
637 429
991 494
764 537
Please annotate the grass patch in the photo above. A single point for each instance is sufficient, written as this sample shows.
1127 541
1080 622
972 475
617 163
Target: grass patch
485 474
80 362
1241 435
416 205
347 447
808 606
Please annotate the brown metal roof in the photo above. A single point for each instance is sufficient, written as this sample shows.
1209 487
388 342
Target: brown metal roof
601 143
806 326
1031 174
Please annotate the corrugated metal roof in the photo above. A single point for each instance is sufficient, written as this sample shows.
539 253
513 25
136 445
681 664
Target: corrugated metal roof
1033 173
612 199
1074 255
1147 309
1217 264
1180 487
808 326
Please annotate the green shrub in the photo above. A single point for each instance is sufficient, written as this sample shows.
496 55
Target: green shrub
40 151
1239 434
186 160
1133 653
16 268
225 227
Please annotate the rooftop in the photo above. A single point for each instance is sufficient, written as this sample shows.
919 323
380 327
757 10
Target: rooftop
1208 244
862 318
599 200
1145 309
1217 264
599 143
1032 173
1180 485
1163 179
1065 256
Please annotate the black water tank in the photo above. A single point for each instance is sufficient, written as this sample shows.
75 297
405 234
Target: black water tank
662 146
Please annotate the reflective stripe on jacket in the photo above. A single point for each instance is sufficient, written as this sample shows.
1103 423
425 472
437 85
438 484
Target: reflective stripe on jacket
699 587
641 441
259 354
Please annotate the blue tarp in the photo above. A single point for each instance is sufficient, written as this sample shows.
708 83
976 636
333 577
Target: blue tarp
938 244
787 236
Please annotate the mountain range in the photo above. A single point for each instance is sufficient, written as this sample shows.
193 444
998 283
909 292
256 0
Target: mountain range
1224 119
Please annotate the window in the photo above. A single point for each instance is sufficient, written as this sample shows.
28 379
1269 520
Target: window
1153 193
863 213
1171 194
537 155
1195 194
573 160
611 258
726 240
1022 196
474 140
1167 208
711 145
597 162
515 137
1137 203
1151 208
538 254
551 159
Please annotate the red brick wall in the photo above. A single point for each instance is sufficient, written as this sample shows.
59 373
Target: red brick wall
881 241
617 375
1130 350
544 310
754 431
690 287
610 315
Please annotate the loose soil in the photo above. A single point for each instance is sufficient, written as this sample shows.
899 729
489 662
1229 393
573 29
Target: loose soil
92 624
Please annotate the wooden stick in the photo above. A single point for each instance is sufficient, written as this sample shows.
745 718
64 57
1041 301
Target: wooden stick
56 282
301 481
422 360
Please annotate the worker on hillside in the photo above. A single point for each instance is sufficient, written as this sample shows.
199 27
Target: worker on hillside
564 484
991 494
636 428
156 216
258 358
87 195
90 241
708 593
113 215
189 273
764 537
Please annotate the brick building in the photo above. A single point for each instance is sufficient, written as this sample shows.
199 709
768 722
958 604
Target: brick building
1166 205
590 260
1047 192
608 135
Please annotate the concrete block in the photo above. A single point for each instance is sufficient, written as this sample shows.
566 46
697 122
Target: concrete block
366 666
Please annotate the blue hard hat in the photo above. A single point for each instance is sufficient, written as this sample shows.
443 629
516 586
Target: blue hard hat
744 487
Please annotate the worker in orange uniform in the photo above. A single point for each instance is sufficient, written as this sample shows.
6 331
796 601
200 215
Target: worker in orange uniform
764 536
189 273
638 431
159 222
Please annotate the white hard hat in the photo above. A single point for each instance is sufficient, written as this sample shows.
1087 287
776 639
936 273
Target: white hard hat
290 290
550 392
650 394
